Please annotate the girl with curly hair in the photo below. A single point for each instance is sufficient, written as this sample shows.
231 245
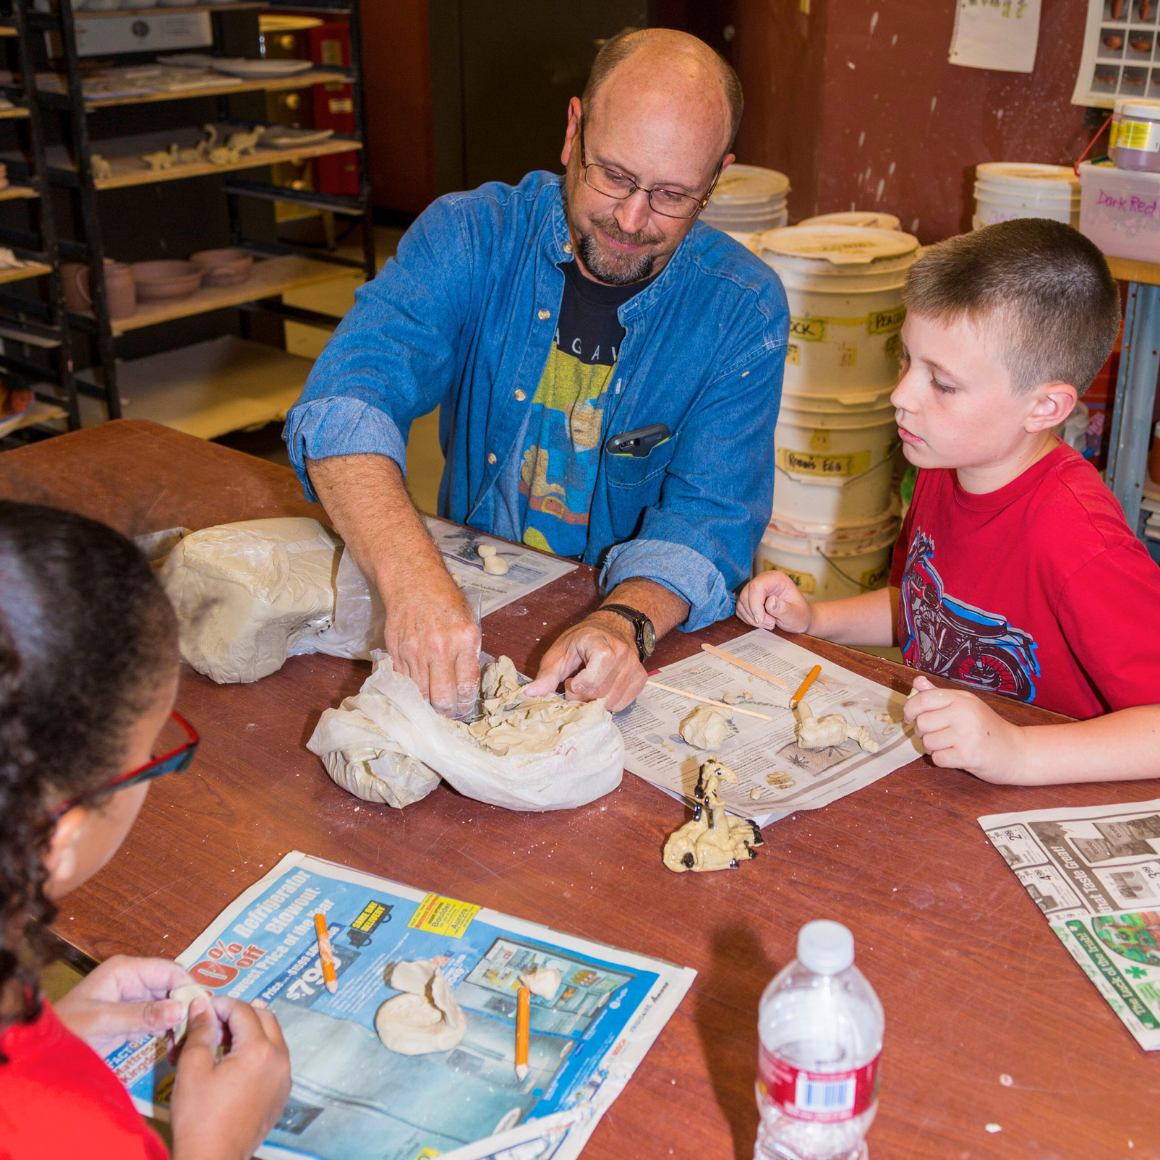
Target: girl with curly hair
88 675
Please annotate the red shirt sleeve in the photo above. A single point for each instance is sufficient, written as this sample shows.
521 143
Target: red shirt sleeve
1110 614
60 1101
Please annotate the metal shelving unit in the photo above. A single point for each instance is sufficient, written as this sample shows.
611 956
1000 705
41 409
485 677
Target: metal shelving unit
286 266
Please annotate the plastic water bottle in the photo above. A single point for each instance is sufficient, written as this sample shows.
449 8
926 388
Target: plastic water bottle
820 1025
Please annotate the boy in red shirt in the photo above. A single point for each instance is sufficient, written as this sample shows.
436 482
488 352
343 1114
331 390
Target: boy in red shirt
1015 571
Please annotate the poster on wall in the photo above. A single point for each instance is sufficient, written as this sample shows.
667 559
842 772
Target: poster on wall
1119 53
996 34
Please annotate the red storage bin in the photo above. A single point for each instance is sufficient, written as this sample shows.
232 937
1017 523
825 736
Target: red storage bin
334 109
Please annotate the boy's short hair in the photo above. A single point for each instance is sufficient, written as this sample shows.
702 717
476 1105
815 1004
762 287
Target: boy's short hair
1045 285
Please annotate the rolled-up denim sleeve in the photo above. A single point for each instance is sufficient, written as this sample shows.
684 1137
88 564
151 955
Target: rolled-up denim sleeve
394 356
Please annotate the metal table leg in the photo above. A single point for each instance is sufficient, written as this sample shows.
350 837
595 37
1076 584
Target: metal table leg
1135 395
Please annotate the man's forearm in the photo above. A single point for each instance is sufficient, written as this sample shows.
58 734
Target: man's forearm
366 498
661 605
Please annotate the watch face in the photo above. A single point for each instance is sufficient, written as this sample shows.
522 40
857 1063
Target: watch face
650 638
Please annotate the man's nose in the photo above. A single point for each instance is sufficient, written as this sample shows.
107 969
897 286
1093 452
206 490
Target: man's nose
632 214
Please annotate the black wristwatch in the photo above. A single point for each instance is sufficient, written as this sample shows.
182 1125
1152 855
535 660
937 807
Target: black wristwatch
646 635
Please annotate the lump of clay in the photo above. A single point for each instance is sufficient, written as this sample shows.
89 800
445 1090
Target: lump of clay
543 981
426 1017
704 728
246 593
495 565
485 550
513 724
712 840
833 729
185 995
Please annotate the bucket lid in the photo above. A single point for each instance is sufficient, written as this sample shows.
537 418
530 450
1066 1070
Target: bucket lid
864 219
839 542
1134 107
886 524
741 184
1024 173
838 245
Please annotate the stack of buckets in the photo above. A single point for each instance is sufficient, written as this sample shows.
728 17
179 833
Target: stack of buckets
1008 189
748 200
834 520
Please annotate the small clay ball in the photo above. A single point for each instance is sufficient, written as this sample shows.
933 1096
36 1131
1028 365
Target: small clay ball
495 565
485 550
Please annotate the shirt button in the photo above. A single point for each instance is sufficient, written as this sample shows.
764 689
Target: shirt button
520 396
567 247
491 457
545 315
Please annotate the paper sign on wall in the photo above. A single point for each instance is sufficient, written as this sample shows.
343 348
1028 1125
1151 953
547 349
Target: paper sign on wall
996 34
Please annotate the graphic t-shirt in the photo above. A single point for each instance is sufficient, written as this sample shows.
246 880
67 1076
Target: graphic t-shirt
1037 591
60 1101
561 453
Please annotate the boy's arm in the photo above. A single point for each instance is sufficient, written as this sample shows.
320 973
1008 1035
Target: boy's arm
772 600
960 731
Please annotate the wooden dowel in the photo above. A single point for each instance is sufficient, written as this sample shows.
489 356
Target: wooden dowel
720 652
708 700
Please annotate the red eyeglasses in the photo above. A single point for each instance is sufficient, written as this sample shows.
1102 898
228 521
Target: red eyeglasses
176 760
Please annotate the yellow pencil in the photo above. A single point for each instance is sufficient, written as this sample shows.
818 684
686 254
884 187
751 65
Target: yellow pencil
325 954
523 1019
813 676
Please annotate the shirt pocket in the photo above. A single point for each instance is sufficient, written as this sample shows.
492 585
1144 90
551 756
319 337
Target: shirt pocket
626 472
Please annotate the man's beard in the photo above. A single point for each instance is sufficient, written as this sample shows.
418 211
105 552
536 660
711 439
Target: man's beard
613 269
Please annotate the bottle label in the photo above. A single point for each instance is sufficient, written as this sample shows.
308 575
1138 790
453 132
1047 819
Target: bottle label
825 1096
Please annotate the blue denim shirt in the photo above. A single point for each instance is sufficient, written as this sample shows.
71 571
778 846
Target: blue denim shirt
464 318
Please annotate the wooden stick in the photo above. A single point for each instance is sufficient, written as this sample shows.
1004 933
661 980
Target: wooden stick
329 974
523 1022
811 676
708 701
720 652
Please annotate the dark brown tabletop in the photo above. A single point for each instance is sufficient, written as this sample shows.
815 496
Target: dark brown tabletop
974 984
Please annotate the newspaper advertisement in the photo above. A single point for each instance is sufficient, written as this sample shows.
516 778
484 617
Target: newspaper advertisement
1095 874
526 570
353 1098
775 776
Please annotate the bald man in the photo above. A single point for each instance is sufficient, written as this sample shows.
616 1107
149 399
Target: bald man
552 321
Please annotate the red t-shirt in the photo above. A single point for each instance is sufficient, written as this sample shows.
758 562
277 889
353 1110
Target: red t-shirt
1038 590
60 1101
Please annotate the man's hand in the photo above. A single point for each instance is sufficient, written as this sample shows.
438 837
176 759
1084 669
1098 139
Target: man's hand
603 647
123 999
772 600
224 1109
959 731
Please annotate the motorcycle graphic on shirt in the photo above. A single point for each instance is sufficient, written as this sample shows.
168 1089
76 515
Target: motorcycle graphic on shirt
945 636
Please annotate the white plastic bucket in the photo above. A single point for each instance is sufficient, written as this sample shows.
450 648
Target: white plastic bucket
1007 190
844 285
826 569
862 219
853 530
834 458
748 199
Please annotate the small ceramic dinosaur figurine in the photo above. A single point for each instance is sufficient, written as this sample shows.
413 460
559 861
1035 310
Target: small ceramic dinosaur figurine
162 159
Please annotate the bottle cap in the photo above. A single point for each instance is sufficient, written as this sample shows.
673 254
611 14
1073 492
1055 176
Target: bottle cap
825 947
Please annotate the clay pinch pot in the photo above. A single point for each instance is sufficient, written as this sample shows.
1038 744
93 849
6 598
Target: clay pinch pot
120 288
1112 41
165 280
229 267
1140 44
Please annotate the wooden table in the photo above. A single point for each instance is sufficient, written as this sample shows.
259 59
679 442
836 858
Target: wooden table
974 984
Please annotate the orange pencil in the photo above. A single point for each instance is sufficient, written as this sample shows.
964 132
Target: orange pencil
523 1019
810 678
325 954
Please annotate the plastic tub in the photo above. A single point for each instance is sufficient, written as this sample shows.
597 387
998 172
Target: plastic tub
748 199
1006 190
1135 139
844 286
827 569
862 219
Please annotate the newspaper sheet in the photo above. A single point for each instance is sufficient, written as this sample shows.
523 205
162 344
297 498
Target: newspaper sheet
1095 874
354 1099
527 570
765 754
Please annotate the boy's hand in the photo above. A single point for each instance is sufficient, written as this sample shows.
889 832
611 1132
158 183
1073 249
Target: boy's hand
772 600
224 1109
959 731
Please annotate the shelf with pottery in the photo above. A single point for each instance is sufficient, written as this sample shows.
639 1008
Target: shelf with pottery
123 155
102 13
10 192
302 80
209 389
19 273
38 411
269 278
12 112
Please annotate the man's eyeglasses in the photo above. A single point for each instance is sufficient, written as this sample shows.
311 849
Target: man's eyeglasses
176 758
663 201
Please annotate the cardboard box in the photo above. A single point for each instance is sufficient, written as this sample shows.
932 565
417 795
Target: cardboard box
1120 211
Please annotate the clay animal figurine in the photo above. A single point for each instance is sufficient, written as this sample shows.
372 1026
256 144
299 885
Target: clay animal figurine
198 152
162 159
243 143
833 729
99 167
712 840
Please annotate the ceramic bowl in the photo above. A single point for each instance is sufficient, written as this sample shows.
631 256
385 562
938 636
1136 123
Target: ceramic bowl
223 267
158 281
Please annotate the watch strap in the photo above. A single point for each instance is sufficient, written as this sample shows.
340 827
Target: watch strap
637 619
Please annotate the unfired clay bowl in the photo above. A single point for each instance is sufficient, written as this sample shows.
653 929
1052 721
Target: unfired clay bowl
223 267
158 281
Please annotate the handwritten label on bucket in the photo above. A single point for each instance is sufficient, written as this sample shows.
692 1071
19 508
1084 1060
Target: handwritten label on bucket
813 328
828 466
803 580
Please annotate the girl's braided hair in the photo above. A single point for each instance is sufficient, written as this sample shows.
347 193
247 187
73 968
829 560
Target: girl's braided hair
87 636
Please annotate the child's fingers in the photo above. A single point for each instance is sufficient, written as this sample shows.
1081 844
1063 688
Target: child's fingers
932 721
199 1049
927 702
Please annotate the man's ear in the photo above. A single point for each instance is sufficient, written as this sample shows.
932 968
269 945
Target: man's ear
572 133
1052 403
61 859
